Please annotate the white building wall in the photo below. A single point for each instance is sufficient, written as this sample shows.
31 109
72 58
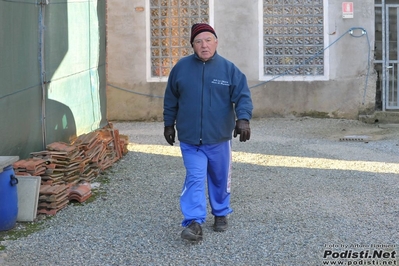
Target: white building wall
236 22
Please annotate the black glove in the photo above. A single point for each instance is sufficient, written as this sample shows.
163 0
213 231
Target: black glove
169 133
242 129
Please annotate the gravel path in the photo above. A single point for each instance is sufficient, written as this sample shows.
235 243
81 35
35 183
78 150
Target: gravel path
298 194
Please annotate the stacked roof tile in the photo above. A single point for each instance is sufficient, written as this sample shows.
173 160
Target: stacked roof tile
80 192
63 163
52 198
30 167
66 169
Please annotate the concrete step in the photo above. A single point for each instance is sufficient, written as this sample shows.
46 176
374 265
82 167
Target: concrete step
387 117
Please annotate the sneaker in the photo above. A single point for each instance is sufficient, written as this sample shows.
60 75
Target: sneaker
193 232
220 224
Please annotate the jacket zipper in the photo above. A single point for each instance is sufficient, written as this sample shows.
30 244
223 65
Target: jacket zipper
202 100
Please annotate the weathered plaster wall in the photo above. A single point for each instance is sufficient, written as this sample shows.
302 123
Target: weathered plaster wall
126 47
236 23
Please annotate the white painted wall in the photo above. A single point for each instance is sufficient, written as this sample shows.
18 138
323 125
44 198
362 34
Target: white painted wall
236 23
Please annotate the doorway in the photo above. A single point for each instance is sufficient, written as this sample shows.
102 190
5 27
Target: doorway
386 54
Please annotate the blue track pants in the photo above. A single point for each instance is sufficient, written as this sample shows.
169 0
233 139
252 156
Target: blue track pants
211 163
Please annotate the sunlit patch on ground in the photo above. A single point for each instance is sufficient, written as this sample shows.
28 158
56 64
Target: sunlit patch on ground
281 161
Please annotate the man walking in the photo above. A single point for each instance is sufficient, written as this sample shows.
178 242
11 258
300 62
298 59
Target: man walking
207 97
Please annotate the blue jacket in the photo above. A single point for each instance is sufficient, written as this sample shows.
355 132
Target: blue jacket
205 98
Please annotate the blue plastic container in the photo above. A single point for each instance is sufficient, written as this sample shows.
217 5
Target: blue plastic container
8 199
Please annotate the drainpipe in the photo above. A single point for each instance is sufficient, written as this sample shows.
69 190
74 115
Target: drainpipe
42 8
384 58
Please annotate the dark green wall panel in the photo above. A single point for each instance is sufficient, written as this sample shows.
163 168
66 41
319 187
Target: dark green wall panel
73 45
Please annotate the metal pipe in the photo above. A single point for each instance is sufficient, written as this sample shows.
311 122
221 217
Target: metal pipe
384 61
42 9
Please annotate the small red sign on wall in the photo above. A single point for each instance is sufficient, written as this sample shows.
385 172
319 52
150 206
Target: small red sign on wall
347 10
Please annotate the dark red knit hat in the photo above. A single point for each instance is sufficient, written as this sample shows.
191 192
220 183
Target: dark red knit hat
200 27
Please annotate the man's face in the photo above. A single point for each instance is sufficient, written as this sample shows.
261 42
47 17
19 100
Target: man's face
205 45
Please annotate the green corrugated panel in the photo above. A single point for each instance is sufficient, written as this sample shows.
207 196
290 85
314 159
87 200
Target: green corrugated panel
72 52
74 65
72 61
20 90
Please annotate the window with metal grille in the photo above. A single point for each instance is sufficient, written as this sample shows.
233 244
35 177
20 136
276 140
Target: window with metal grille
170 29
293 38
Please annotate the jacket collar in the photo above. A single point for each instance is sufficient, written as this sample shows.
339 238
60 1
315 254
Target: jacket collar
213 57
